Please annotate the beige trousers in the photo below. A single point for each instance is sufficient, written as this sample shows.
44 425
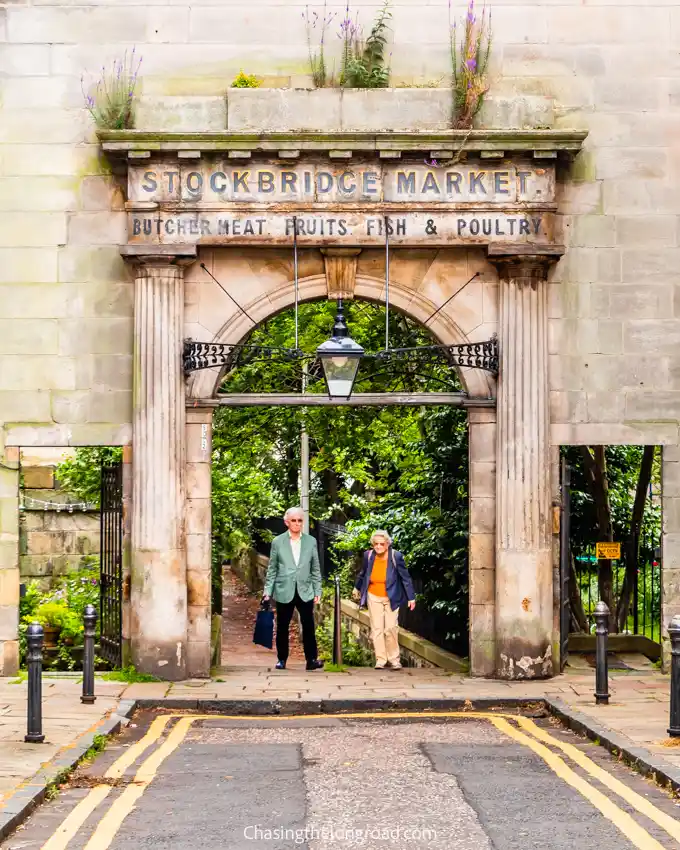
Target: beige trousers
384 630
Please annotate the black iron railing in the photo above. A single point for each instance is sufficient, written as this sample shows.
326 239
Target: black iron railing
643 616
111 564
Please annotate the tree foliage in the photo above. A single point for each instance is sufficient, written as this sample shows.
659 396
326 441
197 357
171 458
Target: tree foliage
81 475
400 468
610 501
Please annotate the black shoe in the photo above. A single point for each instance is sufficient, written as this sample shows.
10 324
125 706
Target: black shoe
314 665
280 665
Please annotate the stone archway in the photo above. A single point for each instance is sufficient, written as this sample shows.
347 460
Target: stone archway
178 208
279 294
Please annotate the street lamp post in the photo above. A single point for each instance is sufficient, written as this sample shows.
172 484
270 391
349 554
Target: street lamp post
340 356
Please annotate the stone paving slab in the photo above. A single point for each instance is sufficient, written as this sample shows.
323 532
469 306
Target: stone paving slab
27 770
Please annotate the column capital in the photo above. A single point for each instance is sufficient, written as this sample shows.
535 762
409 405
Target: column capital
524 263
159 255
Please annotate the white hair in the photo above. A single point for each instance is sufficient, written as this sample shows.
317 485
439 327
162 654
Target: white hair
383 534
294 511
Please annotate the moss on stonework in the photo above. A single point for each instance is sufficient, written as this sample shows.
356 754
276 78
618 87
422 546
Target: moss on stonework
96 165
583 169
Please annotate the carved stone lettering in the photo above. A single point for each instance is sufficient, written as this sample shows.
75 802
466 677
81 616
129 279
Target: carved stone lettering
353 203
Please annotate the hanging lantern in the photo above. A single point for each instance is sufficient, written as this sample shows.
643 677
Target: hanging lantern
340 357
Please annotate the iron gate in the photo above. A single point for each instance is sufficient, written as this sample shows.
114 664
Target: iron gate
111 564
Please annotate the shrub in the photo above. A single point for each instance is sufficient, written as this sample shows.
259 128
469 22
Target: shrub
56 614
469 62
353 653
111 100
63 607
364 65
317 56
246 81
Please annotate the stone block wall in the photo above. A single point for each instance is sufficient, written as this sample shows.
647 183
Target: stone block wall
614 299
53 539
66 328
53 543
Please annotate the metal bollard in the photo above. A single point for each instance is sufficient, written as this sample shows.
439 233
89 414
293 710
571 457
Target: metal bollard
337 625
34 658
674 634
601 662
90 621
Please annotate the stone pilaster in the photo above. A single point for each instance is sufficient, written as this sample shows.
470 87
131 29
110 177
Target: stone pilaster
670 545
524 568
199 539
158 621
9 561
482 459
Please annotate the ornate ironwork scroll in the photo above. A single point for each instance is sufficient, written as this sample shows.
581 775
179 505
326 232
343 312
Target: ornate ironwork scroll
473 355
206 355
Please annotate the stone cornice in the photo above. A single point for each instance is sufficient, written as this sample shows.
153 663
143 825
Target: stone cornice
541 144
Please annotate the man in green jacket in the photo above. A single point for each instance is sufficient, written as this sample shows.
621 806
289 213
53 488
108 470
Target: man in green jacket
294 581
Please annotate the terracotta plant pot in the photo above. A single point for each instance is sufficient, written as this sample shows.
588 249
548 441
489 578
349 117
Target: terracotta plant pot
51 636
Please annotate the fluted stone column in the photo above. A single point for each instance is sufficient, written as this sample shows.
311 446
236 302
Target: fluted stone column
158 571
524 574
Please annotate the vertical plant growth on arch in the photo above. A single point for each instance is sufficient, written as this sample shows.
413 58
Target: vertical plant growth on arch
363 61
469 63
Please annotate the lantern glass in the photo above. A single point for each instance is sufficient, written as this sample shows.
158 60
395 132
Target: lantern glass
340 372
340 357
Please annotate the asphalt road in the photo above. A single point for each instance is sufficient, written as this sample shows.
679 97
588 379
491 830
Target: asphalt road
469 782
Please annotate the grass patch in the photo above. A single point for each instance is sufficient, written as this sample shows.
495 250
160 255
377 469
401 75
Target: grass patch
128 674
97 746
22 676
52 790
334 668
64 777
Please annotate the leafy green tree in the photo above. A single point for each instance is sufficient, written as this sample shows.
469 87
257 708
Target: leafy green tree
400 468
610 502
81 475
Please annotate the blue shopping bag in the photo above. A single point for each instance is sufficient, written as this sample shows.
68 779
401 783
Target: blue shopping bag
264 627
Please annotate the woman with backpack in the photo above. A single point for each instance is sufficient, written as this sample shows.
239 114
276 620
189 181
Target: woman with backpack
384 585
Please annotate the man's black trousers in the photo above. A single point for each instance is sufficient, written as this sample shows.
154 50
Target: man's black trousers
284 614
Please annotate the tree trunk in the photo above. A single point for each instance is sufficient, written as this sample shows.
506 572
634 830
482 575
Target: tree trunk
578 615
331 488
632 543
596 471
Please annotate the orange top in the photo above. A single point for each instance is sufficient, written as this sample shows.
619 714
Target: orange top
378 576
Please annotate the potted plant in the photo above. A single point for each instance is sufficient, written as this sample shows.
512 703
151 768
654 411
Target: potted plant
55 617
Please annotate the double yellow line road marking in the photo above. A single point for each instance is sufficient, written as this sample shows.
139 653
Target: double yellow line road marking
526 733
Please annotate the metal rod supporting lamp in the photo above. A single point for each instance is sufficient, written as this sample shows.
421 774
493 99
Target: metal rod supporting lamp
340 357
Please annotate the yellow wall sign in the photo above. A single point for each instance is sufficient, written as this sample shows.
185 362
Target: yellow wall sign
610 551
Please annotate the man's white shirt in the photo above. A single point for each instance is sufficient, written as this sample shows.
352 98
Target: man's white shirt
296 546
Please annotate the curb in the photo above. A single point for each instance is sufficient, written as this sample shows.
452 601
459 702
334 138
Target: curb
269 708
648 764
33 791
